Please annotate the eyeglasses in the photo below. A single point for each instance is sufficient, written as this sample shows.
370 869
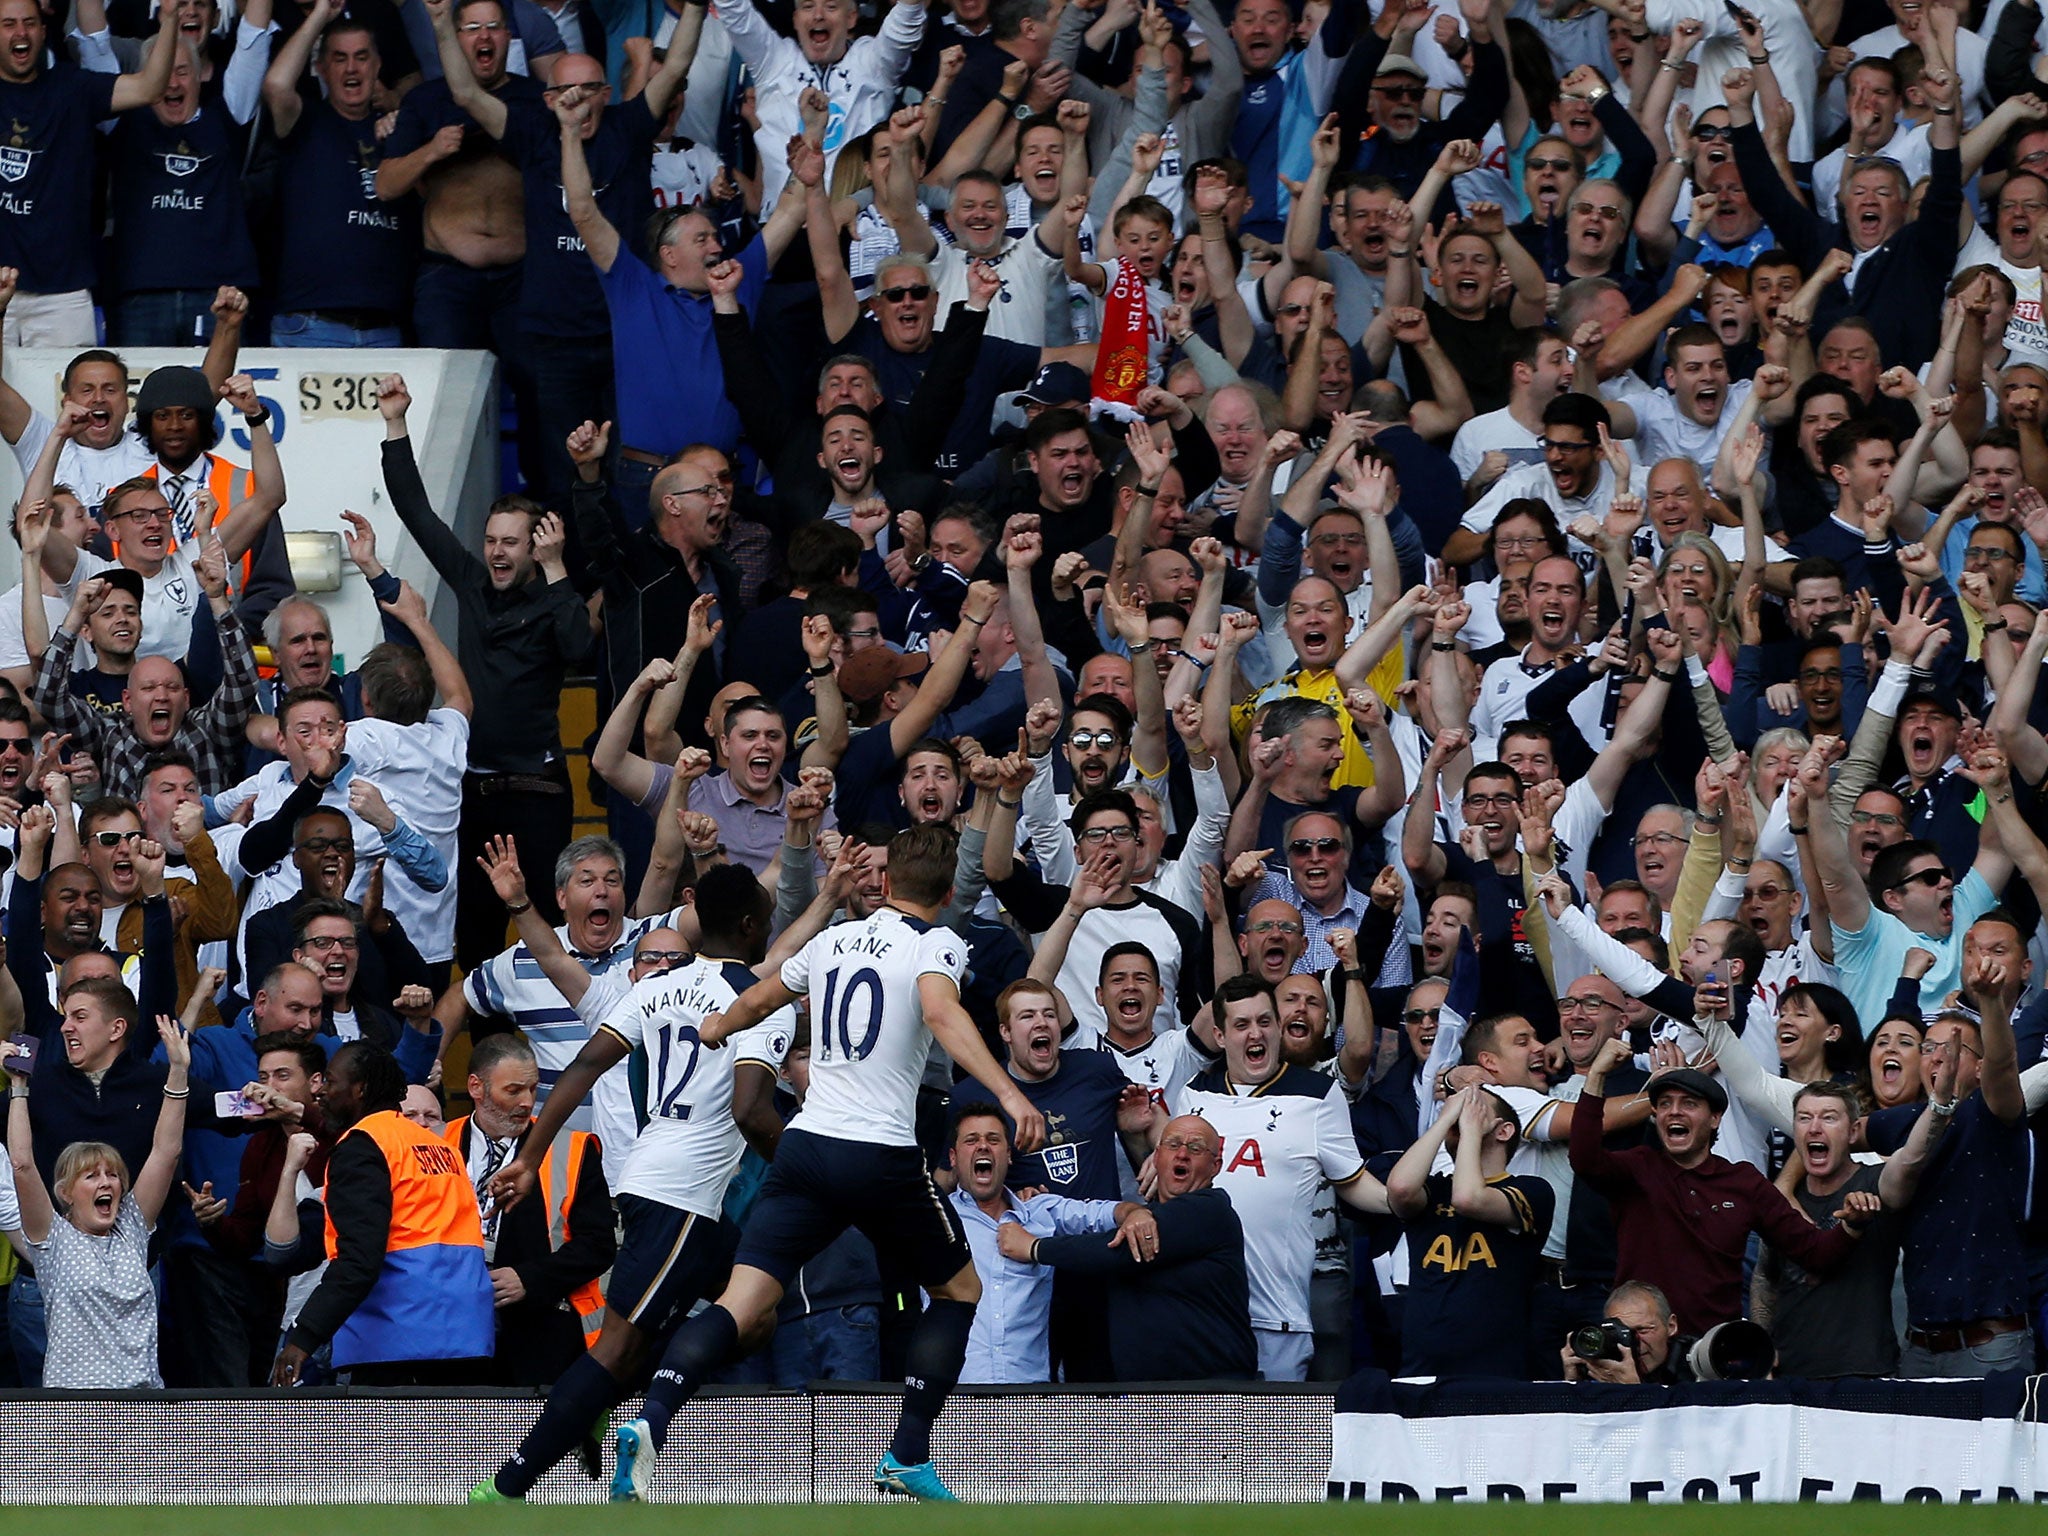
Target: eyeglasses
1083 739
1519 540
1820 675
1399 92
1272 925
1097 836
2038 157
918 291
1875 819
1290 309
20 745
2032 205
1301 847
322 942
1934 879
1168 647
1193 1144
1605 210
1706 133
1979 553
481 26
1501 801
1658 839
1562 445
328 845
1330 540
661 957
871 632
1420 1015
1935 1048
115 839
145 514
1765 892
1548 163
713 492
1585 1005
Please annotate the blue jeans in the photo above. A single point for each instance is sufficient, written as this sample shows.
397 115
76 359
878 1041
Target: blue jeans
2003 1352
839 1344
167 317
304 328
26 1327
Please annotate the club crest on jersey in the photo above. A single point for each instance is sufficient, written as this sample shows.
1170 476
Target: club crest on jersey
174 589
1273 1118
1062 1163
16 158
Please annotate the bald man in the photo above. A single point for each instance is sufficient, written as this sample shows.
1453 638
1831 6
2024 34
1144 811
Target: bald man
1181 1312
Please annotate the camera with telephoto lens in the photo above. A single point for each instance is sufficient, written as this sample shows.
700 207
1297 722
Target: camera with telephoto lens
1607 1339
1738 1350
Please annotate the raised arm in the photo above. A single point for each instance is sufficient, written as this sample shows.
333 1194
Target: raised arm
153 1182
288 67
146 86
600 239
246 519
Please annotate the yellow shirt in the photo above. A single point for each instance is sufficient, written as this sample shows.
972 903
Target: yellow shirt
1320 684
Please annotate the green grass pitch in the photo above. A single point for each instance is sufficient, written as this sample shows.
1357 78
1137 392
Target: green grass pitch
1020 1520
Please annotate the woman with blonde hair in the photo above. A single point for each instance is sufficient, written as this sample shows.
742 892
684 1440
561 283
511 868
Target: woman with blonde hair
1697 590
89 1232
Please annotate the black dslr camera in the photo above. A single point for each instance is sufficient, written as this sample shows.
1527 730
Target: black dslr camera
1604 1340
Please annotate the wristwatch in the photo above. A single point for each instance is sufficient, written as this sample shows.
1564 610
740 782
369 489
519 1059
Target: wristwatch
1022 112
1594 95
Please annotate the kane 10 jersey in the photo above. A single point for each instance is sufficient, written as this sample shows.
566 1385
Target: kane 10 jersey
869 1040
689 1145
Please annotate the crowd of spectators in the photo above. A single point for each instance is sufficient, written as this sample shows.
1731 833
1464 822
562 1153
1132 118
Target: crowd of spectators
1459 583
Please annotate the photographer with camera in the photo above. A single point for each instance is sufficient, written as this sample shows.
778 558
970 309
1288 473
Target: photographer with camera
1477 1234
1635 1344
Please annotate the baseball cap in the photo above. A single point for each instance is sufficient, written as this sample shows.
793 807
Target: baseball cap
1056 384
1689 1080
866 675
1399 64
121 579
1945 701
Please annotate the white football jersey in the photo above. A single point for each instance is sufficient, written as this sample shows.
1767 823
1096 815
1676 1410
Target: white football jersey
868 1036
689 1144
1279 1143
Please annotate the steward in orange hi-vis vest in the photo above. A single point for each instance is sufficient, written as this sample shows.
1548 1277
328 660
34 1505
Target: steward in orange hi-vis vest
406 1278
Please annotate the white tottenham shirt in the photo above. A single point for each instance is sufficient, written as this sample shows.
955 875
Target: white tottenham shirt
869 1039
1280 1141
689 1145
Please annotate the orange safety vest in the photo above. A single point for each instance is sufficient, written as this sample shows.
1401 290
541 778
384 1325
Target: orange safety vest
559 1178
221 482
432 1299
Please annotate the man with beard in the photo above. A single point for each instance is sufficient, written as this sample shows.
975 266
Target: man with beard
1028 270
345 268
1379 95
1097 752
1682 1215
1769 899
1573 479
111 625
1840 1325
1180 1313
1557 597
1287 1129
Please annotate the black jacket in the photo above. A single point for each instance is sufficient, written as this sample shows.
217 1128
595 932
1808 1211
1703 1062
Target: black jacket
516 646
1899 281
1186 1315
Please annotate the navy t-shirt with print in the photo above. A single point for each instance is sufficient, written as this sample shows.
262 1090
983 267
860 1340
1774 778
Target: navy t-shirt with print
1081 1155
1470 1282
1964 1260
560 293
178 203
342 248
46 175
